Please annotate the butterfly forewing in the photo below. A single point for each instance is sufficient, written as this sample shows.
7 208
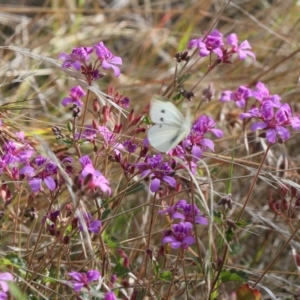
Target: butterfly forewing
162 112
171 127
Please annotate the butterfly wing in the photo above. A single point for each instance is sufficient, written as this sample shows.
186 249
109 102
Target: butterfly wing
171 127
164 137
162 112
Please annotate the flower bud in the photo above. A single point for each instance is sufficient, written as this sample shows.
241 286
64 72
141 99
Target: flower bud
96 105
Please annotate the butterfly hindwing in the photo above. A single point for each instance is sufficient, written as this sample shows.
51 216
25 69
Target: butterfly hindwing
163 137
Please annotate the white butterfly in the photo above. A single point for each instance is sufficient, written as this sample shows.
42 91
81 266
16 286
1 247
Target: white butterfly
171 126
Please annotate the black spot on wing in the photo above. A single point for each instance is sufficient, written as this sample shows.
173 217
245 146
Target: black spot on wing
162 111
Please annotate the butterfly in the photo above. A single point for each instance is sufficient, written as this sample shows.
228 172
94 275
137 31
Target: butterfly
170 128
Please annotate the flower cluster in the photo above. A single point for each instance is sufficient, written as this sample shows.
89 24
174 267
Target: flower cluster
272 116
14 154
18 162
182 235
80 57
196 143
79 60
158 171
214 43
40 170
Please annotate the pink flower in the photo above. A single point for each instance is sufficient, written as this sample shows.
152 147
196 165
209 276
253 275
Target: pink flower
240 96
213 42
243 50
110 296
4 277
262 94
97 180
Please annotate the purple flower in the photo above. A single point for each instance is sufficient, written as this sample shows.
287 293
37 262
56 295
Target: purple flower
79 56
4 277
273 123
243 50
182 210
158 171
240 96
89 133
180 153
113 278
42 170
196 142
76 93
146 142
285 117
262 94
110 296
107 59
85 160
92 225
83 279
52 216
213 42
130 146
124 102
17 152
180 236
109 139
21 136
15 173
254 112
